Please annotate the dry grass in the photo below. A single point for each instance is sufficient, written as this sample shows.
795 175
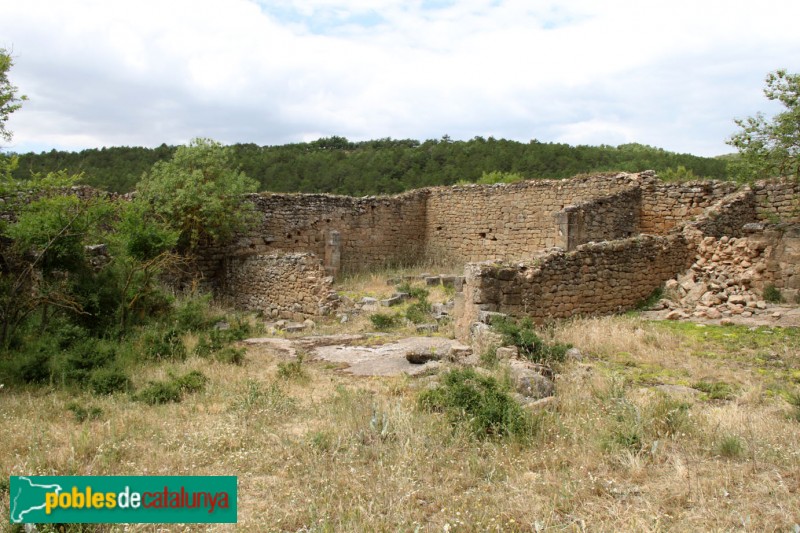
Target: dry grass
334 452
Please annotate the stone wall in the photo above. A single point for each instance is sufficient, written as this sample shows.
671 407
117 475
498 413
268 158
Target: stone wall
666 205
595 278
727 216
289 286
778 200
603 219
478 222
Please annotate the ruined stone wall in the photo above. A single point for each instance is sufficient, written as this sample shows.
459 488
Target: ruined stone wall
596 278
374 231
477 222
778 200
727 216
666 205
289 286
603 219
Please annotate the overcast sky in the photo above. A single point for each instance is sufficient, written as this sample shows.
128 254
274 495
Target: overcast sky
672 74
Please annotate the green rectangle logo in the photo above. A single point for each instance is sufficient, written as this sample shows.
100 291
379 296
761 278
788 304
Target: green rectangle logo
122 499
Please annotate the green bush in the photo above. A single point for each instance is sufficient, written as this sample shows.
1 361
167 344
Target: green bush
159 392
383 321
109 381
164 344
420 293
479 402
522 335
772 294
191 313
419 312
293 370
171 391
33 367
84 357
231 355
82 413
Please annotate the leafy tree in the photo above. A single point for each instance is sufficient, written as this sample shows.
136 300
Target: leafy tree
9 101
772 147
199 192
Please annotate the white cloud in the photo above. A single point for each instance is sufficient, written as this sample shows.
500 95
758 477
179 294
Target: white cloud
670 74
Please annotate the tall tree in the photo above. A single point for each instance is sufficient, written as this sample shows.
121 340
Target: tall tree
199 192
771 147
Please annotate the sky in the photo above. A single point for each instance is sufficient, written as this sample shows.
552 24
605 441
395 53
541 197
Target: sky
672 74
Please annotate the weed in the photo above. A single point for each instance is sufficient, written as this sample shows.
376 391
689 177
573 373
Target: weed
420 293
522 335
772 294
82 413
731 447
171 391
715 390
383 321
419 312
651 300
231 355
488 359
479 402
293 370
794 401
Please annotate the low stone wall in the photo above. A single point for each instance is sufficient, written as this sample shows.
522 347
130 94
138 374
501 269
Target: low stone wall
289 286
597 278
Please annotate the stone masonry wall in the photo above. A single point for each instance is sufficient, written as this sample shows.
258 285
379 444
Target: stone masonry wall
290 285
603 219
778 200
596 278
478 222
666 205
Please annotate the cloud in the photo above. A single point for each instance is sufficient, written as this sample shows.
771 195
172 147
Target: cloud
270 72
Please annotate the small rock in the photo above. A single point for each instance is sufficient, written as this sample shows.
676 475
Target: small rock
726 322
776 315
573 354
747 314
713 314
222 326
507 352
544 403
675 315
309 324
761 304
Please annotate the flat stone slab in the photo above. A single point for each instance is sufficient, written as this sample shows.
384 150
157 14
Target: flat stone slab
383 360
388 359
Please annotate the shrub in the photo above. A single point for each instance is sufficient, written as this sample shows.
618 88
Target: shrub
109 381
164 344
522 335
772 294
171 391
82 413
231 355
479 402
159 392
32 367
84 357
418 312
420 293
191 313
383 321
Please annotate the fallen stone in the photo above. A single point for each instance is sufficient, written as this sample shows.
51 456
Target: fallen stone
433 280
573 354
529 381
420 356
713 314
294 327
507 352
676 315
487 317
726 322
222 326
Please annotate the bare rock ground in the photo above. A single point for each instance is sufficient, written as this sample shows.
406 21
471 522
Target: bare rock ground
363 358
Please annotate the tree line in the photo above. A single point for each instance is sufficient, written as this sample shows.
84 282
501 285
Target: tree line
383 166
